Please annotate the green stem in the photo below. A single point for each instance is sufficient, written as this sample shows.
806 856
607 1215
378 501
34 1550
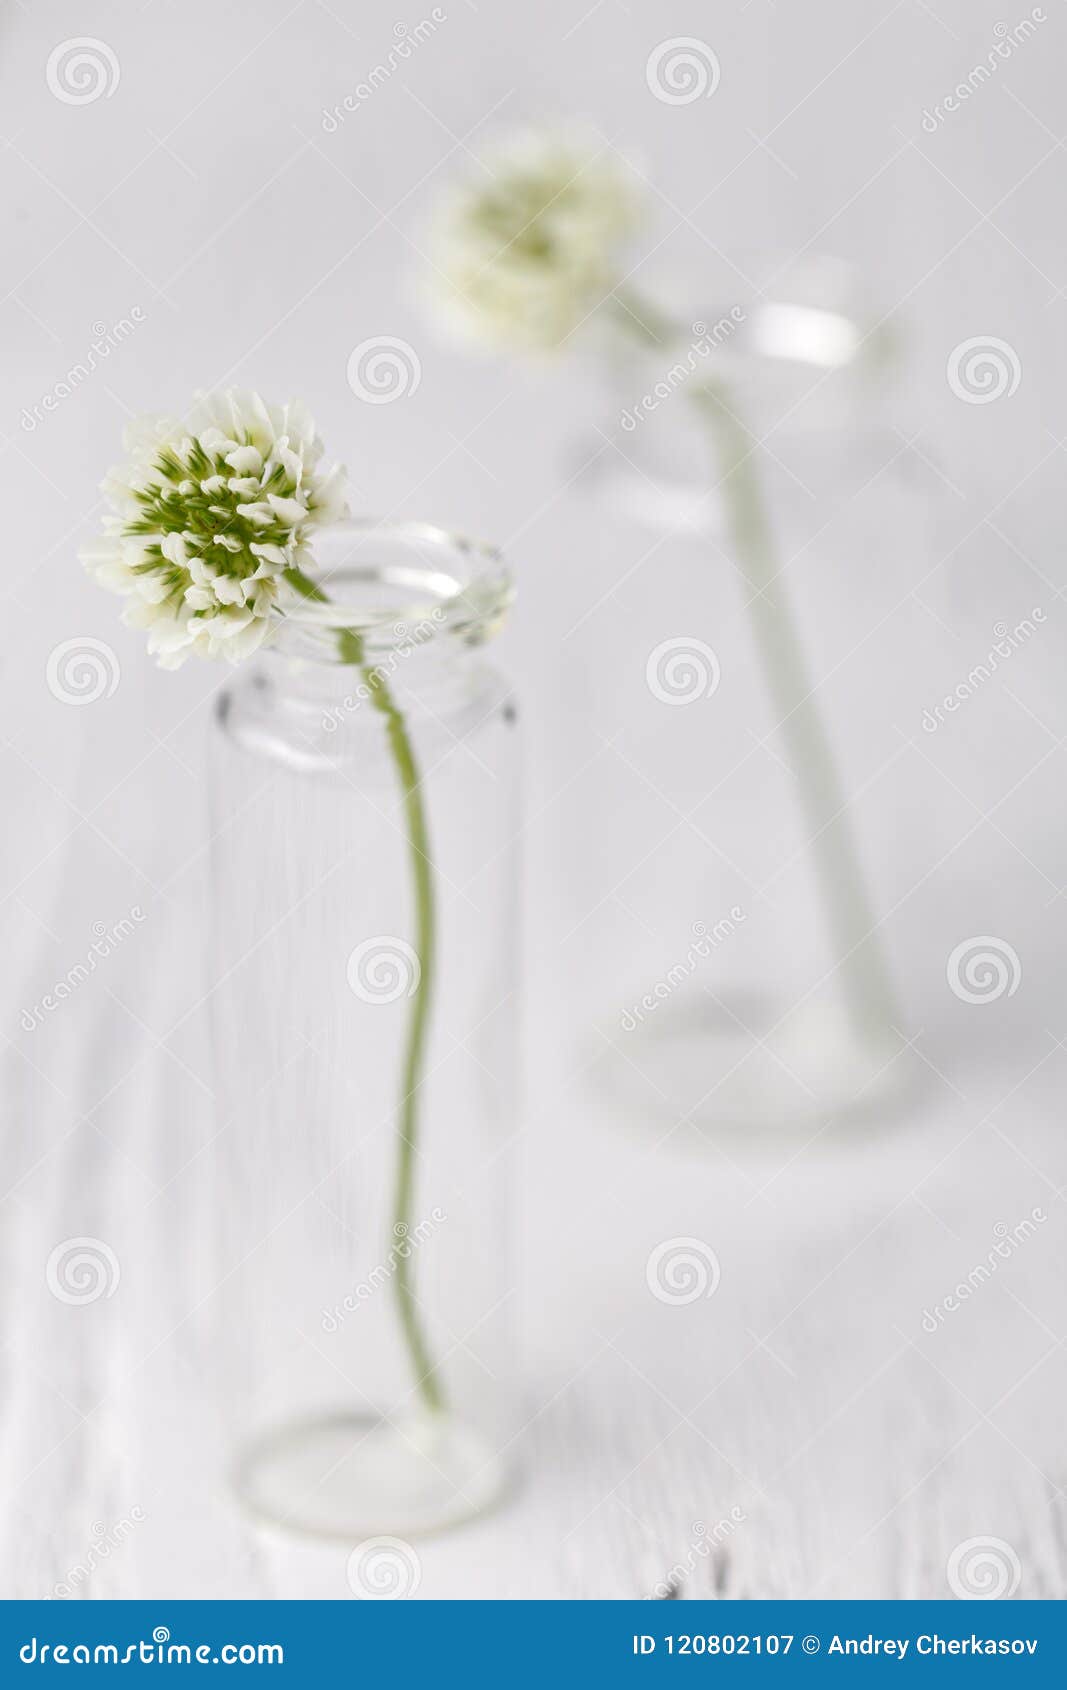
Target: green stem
418 1025
351 649
836 861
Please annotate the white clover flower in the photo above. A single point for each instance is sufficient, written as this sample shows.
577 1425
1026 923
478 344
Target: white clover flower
528 252
205 519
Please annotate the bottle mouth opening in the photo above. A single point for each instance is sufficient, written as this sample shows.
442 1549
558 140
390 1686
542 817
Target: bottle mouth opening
792 324
396 585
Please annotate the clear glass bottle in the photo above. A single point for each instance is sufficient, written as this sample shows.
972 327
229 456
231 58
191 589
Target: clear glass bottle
365 779
758 439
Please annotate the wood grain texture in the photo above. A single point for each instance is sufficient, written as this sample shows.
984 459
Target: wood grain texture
798 1433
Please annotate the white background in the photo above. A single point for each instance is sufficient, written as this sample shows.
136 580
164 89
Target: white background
260 249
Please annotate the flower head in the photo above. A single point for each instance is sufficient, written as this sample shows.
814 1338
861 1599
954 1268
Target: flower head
528 252
206 517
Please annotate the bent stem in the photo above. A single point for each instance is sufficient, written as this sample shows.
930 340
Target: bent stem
351 650
838 874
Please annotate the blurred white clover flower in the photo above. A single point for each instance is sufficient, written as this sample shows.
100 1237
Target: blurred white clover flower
526 253
206 517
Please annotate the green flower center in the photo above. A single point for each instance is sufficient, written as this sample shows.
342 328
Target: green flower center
200 498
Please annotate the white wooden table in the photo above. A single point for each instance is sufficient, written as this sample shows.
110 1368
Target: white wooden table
798 1433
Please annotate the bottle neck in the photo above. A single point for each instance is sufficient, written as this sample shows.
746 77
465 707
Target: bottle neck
332 718
420 673
798 354
800 391
383 620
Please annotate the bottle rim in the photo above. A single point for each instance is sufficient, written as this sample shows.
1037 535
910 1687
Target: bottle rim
397 586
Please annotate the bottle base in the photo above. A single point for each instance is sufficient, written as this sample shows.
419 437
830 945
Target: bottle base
736 1074
351 1476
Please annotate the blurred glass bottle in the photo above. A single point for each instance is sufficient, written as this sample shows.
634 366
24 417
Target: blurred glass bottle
759 435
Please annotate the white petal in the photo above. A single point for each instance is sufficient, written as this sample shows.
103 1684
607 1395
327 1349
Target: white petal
153 589
258 513
292 464
214 441
287 510
245 460
227 624
173 547
228 590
